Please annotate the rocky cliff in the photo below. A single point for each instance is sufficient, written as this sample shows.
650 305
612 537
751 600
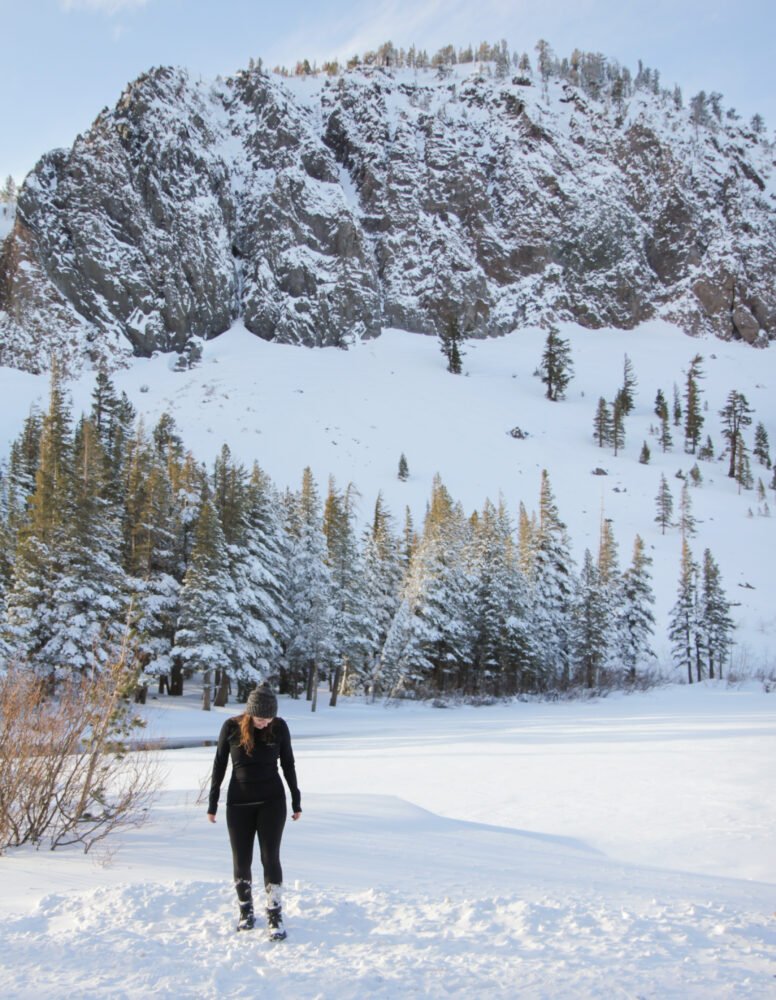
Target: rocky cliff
322 209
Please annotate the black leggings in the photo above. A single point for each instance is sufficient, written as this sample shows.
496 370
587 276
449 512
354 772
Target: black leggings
265 820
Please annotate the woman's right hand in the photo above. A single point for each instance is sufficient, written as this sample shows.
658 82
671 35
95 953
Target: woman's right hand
211 817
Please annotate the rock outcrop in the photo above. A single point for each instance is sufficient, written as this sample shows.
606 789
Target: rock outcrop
320 210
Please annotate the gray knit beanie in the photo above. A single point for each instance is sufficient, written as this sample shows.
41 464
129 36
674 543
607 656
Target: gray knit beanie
262 702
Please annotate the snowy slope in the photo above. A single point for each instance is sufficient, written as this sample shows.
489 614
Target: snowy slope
598 850
352 413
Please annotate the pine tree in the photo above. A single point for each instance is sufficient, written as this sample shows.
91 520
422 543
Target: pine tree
637 620
553 593
8 192
683 625
451 341
208 605
591 633
31 600
404 469
437 593
618 422
716 624
261 578
556 367
686 517
90 602
661 406
527 534
743 475
310 599
693 418
382 582
677 407
664 437
409 542
502 650
706 451
644 454
22 470
350 624
736 414
629 383
602 424
761 450
665 505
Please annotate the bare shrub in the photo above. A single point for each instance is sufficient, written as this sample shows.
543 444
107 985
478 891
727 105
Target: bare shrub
66 775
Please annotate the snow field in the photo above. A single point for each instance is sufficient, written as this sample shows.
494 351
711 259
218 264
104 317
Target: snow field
177 940
441 853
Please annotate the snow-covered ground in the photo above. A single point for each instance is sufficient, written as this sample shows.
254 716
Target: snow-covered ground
615 848
352 414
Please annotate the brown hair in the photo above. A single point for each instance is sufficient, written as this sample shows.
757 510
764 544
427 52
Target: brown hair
247 729
248 732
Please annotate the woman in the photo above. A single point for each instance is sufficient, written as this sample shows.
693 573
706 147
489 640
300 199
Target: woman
255 800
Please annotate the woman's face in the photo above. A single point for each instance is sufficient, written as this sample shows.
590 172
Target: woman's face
260 723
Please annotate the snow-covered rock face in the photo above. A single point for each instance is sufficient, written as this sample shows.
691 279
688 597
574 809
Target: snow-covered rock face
322 209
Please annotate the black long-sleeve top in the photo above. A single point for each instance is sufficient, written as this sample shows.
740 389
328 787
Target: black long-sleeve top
255 776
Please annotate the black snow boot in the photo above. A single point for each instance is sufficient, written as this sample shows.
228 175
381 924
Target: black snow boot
275 928
247 919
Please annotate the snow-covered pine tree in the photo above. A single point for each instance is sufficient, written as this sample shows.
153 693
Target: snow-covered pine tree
527 534
30 614
250 636
716 623
636 619
188 479
409 542
610 586
310 599
590 636
440 597
208 604
90 603
502 655
22 468
382 583
683 627
259 565
351 612
693 415
113 416
553 593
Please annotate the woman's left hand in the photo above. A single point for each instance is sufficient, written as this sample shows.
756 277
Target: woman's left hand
295 815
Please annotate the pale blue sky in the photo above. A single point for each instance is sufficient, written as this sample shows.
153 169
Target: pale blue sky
64 60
